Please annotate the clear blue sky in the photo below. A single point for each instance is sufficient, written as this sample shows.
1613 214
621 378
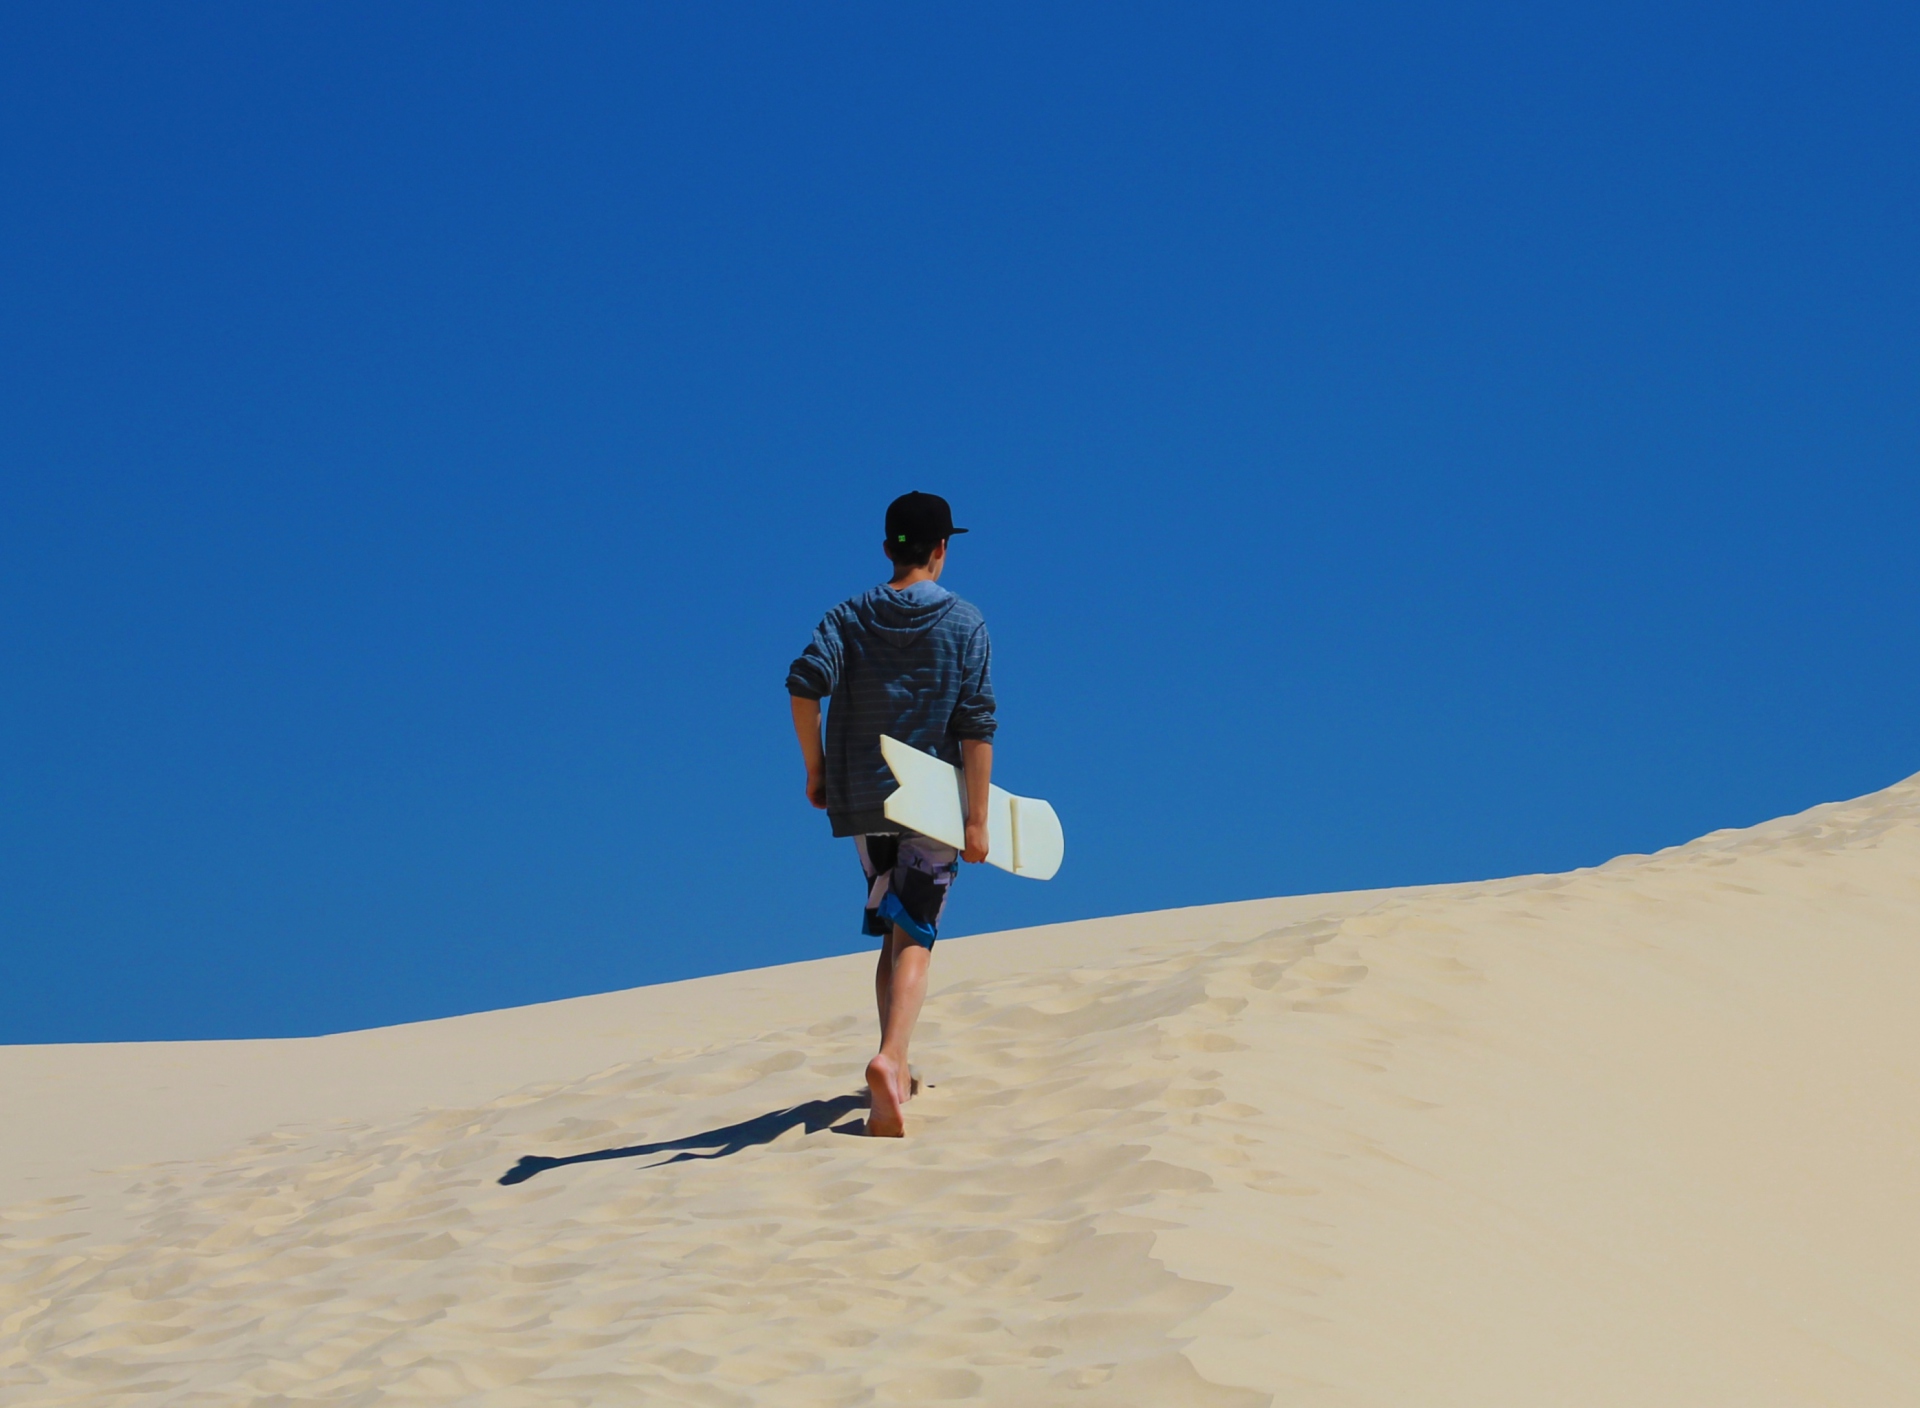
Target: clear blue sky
1403 443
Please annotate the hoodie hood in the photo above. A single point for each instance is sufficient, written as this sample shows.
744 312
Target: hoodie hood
901 616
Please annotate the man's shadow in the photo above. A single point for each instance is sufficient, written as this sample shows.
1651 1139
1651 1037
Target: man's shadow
814 1115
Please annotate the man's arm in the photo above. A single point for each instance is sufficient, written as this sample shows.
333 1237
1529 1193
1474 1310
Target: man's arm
976 760
806 726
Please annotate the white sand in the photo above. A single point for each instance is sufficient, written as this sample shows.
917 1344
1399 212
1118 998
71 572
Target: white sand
1646 1134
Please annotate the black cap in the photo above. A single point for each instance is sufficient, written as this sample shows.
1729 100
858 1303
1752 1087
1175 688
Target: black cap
920 518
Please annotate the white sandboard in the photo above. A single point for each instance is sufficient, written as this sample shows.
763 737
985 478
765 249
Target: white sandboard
1023 834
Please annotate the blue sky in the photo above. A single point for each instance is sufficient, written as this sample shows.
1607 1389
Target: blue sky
1403 444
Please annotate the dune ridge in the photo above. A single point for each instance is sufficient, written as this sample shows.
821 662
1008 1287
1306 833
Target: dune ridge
1647 1132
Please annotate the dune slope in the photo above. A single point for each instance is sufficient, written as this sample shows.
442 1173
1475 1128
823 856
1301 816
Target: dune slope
1647 1133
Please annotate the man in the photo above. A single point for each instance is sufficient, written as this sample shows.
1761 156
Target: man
908 659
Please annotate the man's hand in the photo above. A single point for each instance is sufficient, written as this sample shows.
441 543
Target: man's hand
806 727
976 761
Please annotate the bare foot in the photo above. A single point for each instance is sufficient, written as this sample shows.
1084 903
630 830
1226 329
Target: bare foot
883 1115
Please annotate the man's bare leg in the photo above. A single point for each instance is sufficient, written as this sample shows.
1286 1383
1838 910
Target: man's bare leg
883 998
901 987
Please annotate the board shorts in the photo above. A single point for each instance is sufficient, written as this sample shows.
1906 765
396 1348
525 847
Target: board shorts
907 882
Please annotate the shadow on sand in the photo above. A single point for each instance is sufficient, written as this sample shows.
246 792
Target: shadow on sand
814 1115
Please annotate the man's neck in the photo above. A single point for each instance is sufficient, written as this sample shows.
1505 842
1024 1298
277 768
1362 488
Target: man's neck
908 579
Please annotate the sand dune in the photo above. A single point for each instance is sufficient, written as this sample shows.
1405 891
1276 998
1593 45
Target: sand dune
1642 1134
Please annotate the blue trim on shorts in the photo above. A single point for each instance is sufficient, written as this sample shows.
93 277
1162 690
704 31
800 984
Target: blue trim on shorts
894 912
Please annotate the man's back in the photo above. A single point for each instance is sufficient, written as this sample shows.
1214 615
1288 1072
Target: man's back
913 662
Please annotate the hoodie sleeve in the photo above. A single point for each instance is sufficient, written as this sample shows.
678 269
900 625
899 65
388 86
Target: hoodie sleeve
817 671
973 712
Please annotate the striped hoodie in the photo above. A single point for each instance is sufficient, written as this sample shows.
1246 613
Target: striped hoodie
911 663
